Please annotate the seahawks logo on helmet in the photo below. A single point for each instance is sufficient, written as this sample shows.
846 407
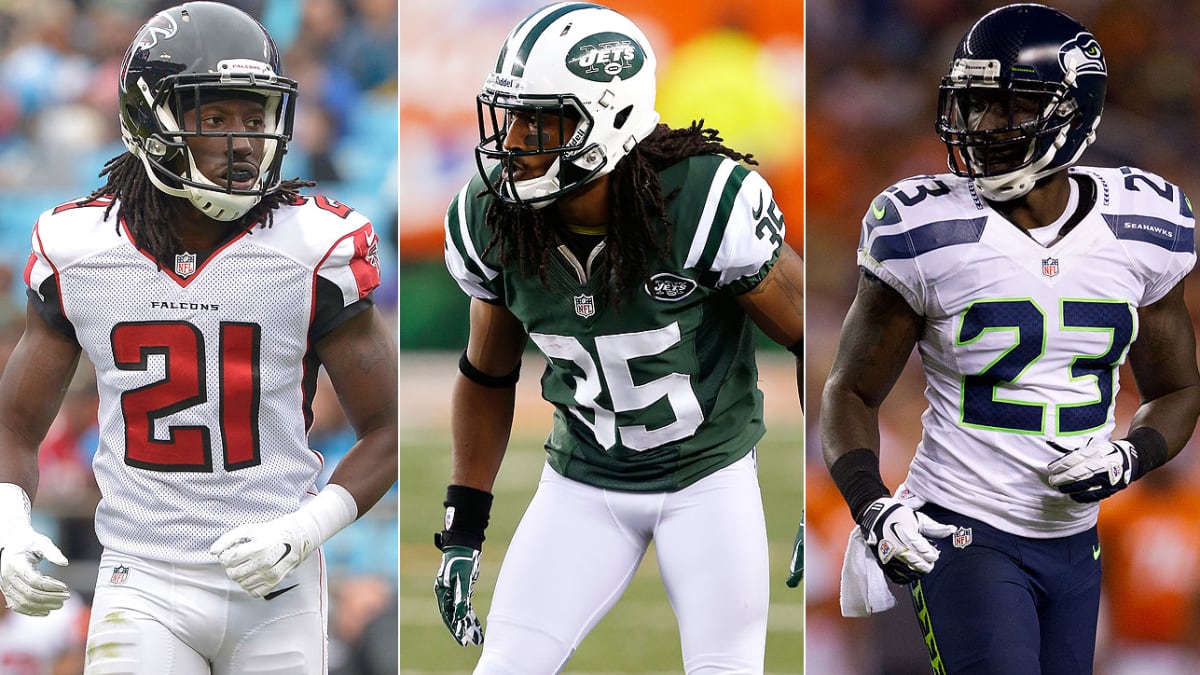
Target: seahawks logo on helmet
603 56
1082 56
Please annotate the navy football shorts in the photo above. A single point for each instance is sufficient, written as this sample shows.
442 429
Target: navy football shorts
997 603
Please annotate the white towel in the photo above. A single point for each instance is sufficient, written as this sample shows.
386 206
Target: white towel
865 589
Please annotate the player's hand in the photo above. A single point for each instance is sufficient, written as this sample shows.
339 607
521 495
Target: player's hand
27 590
1095 470
454 586
899 539
796 569
259 555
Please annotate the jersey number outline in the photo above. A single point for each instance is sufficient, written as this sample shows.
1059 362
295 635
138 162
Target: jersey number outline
615 354
981 409
181 346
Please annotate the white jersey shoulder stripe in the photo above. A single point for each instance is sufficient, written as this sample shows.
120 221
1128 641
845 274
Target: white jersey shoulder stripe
715 189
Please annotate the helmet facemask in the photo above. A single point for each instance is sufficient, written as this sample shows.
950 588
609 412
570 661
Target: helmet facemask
1003 132
576 161
168 160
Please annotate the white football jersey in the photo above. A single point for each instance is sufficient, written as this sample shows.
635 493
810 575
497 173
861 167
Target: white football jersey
206 370
1022 342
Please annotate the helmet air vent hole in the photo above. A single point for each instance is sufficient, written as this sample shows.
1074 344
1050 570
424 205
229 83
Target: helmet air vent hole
620 119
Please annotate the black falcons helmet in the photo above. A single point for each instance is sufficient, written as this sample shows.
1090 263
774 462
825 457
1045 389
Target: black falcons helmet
1046 72
183 57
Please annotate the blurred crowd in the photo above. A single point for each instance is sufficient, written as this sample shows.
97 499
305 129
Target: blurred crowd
59 61
873 72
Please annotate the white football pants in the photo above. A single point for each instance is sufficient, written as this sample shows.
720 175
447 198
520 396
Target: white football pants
577 548
151 618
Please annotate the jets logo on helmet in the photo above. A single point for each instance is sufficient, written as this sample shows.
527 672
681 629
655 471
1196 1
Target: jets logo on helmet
602 57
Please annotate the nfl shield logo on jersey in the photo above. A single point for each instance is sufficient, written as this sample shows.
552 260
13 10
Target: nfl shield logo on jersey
185 264
1050 267
119 575
962 537
585 305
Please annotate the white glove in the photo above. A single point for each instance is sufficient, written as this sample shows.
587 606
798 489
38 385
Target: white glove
259 555
26 590
896 536
1095 470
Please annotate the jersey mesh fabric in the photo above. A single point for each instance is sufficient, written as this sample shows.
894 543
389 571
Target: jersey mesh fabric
662 391
203 382
1022 343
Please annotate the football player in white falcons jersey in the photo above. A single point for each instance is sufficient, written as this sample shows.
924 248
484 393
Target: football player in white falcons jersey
637 258
1025 282
207 293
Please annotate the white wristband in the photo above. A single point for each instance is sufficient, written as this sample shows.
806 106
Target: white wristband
331 510
14 503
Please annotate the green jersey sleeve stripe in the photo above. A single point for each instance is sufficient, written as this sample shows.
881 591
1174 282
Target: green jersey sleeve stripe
721 200
461 244
704 226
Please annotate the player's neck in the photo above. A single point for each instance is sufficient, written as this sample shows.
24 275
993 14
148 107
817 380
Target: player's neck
587 209
1044 204
199 233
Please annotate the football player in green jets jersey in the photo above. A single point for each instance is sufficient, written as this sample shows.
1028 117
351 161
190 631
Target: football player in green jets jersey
638 259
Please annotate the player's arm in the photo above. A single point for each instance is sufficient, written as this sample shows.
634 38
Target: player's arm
31 392
878 336
776 305
481 415
1163 361
481 406
360 358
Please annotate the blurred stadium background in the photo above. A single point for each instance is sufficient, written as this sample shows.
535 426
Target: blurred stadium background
58 125
873 72
737 66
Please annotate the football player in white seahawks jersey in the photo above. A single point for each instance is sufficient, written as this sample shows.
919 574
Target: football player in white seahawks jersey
637 259
1024 282
207 293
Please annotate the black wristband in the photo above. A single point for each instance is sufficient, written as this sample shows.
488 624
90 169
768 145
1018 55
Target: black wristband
797 348
481 378
1151 449
467 512
857 477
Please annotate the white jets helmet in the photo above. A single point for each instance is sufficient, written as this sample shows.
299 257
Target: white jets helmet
576 61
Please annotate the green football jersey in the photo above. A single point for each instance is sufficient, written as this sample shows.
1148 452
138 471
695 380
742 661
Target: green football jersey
661 391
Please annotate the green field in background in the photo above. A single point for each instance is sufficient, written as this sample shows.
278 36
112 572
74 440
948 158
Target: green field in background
639 635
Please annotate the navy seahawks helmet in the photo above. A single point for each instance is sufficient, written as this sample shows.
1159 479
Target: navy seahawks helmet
1022 99
183 57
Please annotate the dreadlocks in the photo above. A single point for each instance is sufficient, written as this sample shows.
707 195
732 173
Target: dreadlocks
149 211
637 204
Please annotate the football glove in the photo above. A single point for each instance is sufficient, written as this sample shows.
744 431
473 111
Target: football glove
26 590
899 537
454 586
259 555
1095 470
796 569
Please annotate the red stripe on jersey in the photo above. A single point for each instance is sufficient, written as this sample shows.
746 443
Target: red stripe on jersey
365 263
